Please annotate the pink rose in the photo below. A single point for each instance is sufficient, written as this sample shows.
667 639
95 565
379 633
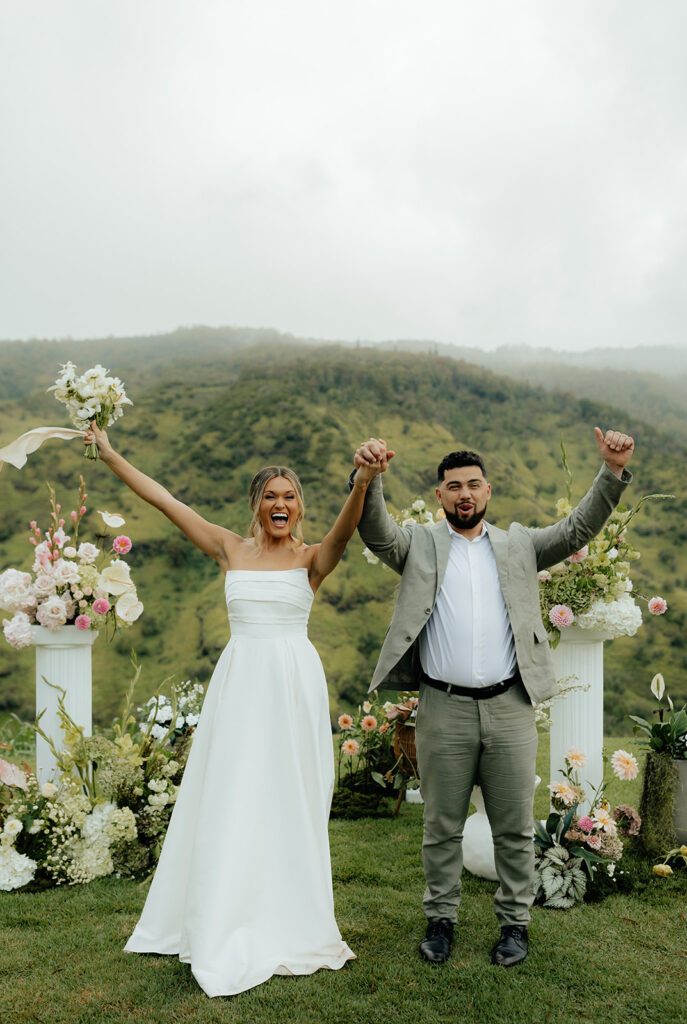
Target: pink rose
101 606
657 605
122 545
82 622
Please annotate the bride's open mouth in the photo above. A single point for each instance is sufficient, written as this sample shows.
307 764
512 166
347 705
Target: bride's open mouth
280 519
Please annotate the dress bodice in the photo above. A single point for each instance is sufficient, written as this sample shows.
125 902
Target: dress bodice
271 603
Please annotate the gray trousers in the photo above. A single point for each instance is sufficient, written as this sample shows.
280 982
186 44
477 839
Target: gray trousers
492 743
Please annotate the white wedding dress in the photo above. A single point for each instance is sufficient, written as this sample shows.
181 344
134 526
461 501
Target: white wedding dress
243 887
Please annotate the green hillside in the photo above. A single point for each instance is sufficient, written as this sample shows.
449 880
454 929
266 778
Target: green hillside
211 407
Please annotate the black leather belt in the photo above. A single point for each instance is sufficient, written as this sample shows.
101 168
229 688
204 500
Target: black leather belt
476 692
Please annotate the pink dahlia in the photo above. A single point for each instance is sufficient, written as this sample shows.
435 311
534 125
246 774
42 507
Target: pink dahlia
561 616
369 723
586 823
657 605
101 606
345 721
594 842
122 545
350 747
82 622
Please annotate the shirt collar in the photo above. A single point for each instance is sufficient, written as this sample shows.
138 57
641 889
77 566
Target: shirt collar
454 535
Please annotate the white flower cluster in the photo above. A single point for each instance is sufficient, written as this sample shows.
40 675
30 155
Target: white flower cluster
16 869
105 825
189 700
621 617
93 395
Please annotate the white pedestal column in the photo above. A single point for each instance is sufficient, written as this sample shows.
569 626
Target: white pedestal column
577 720
63 658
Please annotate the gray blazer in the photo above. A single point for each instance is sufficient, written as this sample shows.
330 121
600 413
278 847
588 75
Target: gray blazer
420 555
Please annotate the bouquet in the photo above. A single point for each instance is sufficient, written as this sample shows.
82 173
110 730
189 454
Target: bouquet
70 582
92 396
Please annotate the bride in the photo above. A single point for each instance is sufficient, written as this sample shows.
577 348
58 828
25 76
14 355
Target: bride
243 886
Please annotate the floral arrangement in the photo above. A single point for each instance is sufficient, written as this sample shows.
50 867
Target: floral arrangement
109 810
92 396
416 514
70 582
571 847
172 718
592 587
669 734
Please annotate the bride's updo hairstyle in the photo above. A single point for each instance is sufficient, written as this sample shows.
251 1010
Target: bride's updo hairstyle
256 491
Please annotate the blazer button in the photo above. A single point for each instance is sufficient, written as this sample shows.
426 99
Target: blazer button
428 611
408 639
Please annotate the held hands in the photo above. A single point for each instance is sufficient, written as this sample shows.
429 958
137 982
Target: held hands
372 458
615 449
94 433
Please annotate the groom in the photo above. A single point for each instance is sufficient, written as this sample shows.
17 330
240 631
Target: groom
467 632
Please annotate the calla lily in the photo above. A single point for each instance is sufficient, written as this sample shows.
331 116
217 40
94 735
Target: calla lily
112 519
128 607
116 579
658 686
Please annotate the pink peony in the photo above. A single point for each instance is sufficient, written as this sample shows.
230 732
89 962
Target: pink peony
657 605
624 765
586 823
122 545
579 556
369 723
561 616
345 721
82 622
102 606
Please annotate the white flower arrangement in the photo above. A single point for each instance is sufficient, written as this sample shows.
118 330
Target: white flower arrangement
93 395
66 585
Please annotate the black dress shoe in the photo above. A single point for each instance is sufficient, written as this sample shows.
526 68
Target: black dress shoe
436 945
512 947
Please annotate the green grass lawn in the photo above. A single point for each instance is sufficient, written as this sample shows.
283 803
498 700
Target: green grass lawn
61 956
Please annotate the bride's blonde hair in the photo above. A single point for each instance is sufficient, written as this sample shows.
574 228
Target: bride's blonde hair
256 491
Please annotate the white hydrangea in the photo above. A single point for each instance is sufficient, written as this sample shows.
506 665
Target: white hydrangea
17 630
621 617
16 869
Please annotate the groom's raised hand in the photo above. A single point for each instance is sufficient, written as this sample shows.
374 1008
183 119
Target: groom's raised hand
373 454
615 449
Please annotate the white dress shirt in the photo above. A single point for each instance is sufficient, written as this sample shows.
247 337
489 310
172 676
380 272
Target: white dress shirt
468 638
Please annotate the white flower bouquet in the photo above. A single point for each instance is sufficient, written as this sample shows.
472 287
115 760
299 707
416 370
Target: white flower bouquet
91 396
70 582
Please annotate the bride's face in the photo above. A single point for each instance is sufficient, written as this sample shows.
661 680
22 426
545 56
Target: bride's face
278 507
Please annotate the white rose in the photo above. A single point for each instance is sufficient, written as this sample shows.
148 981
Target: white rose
128 607
44 584
418 505
88 552
48 789
52 613
16 592
65 572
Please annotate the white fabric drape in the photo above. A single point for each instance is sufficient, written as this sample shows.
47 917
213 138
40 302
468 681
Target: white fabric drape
17 452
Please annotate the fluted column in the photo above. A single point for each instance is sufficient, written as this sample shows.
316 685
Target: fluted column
578 718
63 658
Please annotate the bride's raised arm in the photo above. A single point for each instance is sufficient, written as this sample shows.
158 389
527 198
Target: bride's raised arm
327 554
213 540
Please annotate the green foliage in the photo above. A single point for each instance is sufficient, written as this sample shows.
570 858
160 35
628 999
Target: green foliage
657 805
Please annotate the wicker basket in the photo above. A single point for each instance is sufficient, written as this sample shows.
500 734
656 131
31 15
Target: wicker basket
404 748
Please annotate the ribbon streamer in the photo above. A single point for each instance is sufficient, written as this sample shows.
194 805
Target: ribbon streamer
17 452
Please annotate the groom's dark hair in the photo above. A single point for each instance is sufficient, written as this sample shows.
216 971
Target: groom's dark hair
456 460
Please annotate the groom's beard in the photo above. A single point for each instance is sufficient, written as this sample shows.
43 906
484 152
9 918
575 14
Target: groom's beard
463 521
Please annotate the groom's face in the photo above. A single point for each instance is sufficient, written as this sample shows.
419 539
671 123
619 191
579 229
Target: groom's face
463 494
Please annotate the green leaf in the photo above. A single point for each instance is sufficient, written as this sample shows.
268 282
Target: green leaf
379 779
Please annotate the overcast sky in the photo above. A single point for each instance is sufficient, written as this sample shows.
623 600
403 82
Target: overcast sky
484 173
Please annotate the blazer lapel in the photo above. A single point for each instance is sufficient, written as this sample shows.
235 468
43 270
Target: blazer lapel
442 543
499 545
